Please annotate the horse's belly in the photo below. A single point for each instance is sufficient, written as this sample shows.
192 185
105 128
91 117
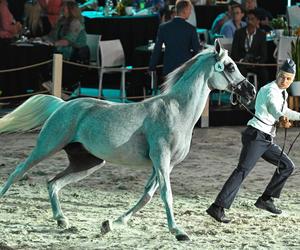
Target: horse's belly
127 158
131 162
133 152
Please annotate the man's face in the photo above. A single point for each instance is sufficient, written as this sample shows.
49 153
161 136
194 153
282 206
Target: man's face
250 4
237 14
284 79
252 20
188 11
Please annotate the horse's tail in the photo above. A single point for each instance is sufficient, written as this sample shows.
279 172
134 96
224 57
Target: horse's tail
31 114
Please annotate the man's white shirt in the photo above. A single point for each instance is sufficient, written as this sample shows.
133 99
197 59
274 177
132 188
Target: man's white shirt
268 108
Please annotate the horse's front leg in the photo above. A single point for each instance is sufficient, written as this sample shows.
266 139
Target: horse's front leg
161 159
150 189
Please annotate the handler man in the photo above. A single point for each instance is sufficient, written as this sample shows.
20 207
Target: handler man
257 140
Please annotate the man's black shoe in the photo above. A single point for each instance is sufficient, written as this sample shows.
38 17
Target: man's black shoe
267 205
217 213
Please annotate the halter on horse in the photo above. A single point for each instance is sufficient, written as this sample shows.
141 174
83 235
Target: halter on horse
155 133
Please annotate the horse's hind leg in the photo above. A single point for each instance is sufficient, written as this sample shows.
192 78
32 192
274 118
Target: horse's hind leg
37 155
82 164
14 176
150 189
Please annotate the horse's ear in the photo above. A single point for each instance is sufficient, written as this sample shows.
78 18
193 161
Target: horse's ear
218 47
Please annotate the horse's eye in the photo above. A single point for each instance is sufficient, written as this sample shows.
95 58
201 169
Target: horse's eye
230 67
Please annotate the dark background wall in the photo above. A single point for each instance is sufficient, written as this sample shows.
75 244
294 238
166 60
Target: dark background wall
276 7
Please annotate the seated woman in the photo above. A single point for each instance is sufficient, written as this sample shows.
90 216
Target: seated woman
37 23
69 33
9 28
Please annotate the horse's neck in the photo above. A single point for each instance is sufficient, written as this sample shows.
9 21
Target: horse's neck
191 97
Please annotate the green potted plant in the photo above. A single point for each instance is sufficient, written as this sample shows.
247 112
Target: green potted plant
279 25
295 54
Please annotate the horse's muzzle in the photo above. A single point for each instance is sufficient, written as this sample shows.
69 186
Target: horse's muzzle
246 90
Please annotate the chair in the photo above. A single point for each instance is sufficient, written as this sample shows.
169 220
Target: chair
112 60
254 77
226 43
283 49
203 35
92 41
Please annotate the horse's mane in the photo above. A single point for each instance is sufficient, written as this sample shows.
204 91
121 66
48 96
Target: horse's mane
174 76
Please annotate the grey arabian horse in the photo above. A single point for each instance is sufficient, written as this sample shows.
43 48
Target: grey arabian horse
154 133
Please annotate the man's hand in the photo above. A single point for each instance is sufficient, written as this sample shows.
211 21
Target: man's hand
284 122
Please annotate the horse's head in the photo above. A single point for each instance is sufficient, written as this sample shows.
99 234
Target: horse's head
226 76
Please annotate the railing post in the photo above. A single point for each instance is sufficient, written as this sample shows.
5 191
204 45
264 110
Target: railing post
57 75
153 82
204 122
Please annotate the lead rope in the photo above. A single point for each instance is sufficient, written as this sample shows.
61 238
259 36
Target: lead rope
292 144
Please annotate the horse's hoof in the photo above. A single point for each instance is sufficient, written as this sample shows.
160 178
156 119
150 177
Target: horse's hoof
182 237
105 228
63 223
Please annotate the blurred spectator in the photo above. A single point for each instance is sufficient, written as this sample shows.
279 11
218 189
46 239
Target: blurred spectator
265 18
264 15
179 37
249 4
249 45
9 27
52 9
228 29
37 24
156 6
222 18
168 15
69 33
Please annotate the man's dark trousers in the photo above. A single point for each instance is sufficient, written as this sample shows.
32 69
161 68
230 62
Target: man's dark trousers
256 144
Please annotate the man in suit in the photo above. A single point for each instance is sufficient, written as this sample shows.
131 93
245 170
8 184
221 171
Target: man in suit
249 45
179 37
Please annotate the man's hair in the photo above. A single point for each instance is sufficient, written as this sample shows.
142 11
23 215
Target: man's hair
238 6
181 5
244 2
254 12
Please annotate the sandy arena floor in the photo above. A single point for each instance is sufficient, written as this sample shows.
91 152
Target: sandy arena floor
26 218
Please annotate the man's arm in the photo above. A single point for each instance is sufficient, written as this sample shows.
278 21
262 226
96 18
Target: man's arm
226 31
235 51
263 49
195 42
